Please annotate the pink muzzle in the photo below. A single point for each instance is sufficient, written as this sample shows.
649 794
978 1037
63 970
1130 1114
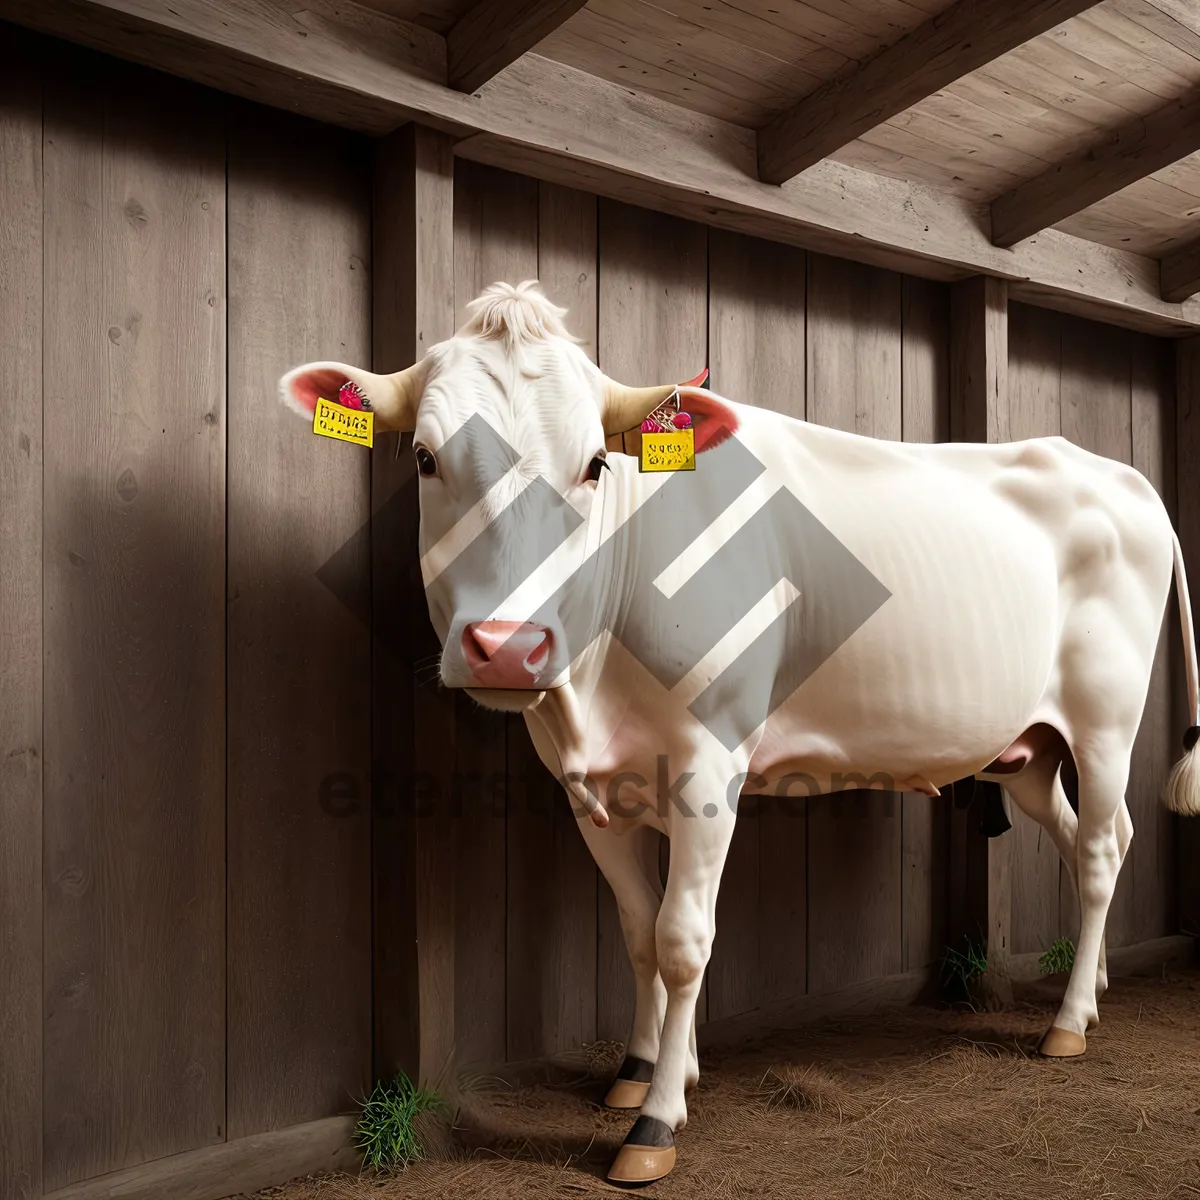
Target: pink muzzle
506 654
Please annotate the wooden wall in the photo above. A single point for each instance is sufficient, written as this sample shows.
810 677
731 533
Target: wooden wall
185 913
1113 392
188 845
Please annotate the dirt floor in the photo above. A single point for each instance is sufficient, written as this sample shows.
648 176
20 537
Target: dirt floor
916 1102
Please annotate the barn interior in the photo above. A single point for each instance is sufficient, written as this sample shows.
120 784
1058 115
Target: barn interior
251 857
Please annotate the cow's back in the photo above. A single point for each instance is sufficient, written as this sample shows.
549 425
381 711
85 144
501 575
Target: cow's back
983 549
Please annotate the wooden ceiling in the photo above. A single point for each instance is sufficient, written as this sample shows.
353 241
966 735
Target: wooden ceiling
1008 117
747 61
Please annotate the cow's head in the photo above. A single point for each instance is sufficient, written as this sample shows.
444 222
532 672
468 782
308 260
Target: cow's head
509 419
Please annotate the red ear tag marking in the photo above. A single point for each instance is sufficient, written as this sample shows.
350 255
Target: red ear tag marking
350 396
667 415
663 417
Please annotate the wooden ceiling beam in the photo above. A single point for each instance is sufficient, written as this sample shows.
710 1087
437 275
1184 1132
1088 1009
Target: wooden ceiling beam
952 44
1179 273
350 66
495 33
1130 153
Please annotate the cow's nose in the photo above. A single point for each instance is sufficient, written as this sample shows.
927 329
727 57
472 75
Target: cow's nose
506 654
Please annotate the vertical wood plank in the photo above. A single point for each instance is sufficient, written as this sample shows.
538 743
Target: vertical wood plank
568 258
412 846
981 869
134 570
1151 859
979 360
1035 368
854 838
652 329
21 619
1097 415
854 360
551 877
925 361
495 239
1187 427
757 322
1096 364
299 648
756 313
925 833
1034 372
551 913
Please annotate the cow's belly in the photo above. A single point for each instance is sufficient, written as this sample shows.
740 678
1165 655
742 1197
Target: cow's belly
949 669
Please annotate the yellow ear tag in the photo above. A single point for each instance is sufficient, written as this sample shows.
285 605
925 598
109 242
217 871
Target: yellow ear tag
674 450
346 424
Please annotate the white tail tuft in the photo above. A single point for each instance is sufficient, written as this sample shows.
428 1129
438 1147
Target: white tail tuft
520 314
1182 793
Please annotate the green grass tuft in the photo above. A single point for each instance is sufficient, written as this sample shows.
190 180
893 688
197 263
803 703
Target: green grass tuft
962 968
1059 958
385 1132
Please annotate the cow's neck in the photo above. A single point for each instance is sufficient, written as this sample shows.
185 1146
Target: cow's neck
646 522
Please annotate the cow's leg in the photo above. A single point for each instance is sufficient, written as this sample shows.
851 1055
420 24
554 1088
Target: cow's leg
630 864
1103 777
684 936
1124 838
1038 792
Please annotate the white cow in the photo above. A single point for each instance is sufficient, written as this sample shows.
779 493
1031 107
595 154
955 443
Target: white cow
547 603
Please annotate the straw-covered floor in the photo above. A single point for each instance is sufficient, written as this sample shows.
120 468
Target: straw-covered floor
917 1102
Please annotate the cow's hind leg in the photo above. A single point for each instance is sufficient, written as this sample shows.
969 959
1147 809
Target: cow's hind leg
1103 777
1124 838
1038 792
630 864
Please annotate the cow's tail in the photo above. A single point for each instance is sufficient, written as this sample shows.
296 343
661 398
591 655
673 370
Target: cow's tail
1182 793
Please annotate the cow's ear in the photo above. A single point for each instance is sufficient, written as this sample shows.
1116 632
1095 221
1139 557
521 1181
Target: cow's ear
393 398
712 419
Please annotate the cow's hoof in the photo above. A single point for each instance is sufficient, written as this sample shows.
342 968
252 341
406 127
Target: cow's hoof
648 1154
631 1084
1062 1043
626 1093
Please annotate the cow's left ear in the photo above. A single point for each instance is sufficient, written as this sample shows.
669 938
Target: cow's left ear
712 419
393 398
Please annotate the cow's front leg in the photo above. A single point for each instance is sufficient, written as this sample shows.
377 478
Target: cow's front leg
683 939
629 862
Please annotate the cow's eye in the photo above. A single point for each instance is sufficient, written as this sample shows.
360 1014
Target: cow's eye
598 464
426 463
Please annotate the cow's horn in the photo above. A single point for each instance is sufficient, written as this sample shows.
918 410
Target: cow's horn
393 398
399 412
627 407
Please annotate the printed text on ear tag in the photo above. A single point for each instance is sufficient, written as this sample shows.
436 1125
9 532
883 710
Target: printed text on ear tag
346 424
671 451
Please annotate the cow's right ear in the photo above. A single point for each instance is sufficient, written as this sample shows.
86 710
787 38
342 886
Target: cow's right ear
393 398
